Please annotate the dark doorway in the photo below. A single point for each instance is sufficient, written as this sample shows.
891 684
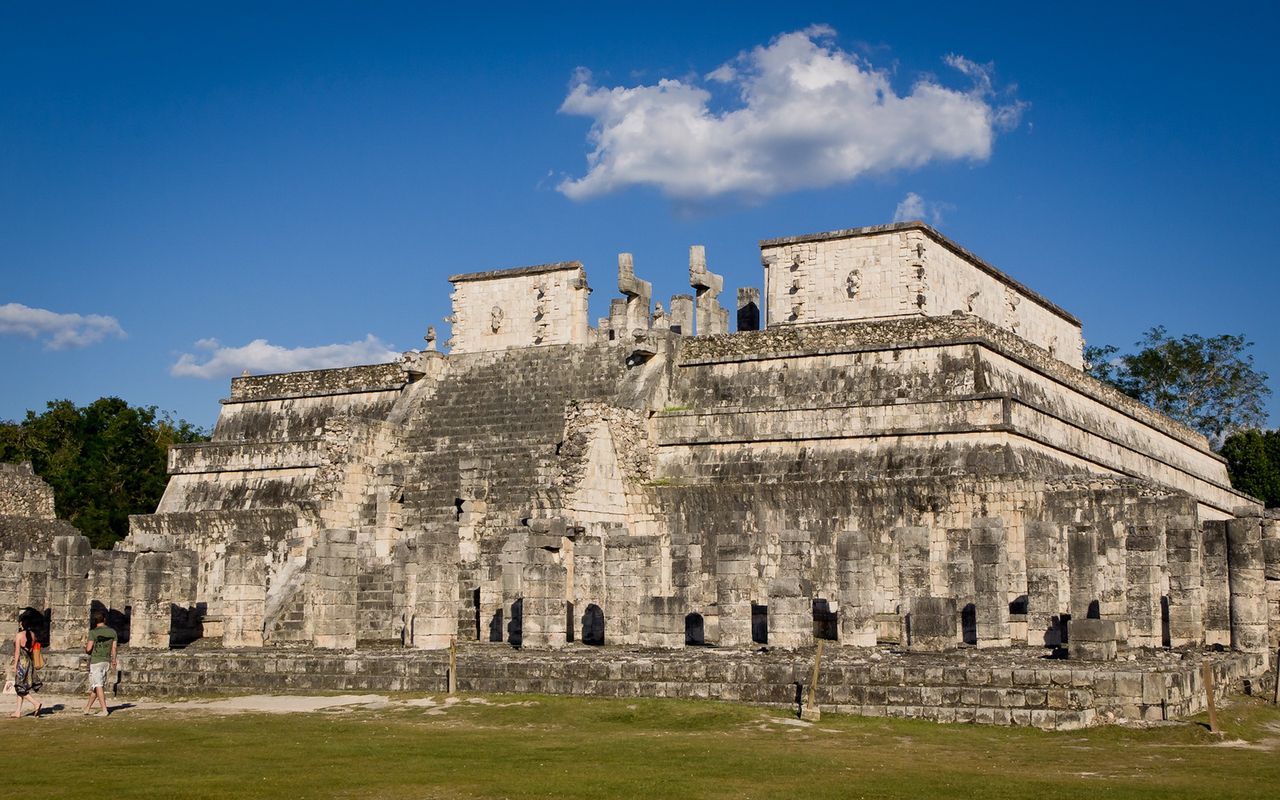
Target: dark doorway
695 634
969 623
593 625
759 624
826 624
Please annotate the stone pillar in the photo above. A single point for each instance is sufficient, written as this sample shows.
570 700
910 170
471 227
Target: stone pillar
1046 575
244 594
748 309
931 624
960 580
1144 568
618 318
435 595
1217 594
1091 639
884 554
712 318
913 563
69 592
990 583
638 294
857 589
629 566
149 615
1113 579
1082 566
1247 583
735 572
1271 557
662 623
544 610
790 614
331 590
1186 583
682 314
36 573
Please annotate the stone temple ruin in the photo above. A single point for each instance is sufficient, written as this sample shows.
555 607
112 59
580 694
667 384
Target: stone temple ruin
896 451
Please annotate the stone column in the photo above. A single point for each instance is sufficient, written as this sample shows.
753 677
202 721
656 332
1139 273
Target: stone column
990 583
331 590
544 610
435 595
857 589
960 580
149 614
244 594
682 314
931 624
1247 583
1217 594
69 592
1271 557
1082 566
712 318
884 554
734 583
1046 573
1144 557
1186 583
637 293
748 309
913 563
790 614
662 623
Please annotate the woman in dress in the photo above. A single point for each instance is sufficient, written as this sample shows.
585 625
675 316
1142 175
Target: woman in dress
25 681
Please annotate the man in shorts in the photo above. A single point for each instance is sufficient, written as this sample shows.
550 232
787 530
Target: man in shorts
101 648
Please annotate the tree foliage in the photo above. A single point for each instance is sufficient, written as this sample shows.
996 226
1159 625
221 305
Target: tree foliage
104 461
1208 384
1253 461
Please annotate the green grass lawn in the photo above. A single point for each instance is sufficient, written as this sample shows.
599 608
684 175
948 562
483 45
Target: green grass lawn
537 746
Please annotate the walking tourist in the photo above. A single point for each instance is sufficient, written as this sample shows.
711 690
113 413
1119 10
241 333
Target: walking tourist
101 648
26 680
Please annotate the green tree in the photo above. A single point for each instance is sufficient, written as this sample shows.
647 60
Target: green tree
1208 384
104 461
1253 461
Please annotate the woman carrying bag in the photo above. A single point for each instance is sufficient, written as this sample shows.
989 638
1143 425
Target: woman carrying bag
26 681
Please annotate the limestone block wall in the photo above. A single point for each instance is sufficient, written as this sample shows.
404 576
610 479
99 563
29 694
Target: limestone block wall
963 396
23 494
1017 556
901 270
523 307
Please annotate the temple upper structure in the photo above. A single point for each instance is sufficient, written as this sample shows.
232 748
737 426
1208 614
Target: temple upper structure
902 270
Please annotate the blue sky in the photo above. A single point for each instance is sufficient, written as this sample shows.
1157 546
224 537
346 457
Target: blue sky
190 181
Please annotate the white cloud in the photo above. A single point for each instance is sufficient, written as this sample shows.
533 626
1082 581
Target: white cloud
58 331
808 114
260 356
914 207
911 208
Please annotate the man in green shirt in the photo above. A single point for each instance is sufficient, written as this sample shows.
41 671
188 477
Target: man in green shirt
101 648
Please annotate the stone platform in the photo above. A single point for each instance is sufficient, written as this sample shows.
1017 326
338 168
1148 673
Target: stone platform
1019 686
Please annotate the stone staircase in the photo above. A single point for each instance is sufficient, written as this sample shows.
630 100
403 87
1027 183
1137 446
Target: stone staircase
505 411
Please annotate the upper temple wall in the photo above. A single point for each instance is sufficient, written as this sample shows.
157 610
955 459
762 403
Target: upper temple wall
521 307
904 269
